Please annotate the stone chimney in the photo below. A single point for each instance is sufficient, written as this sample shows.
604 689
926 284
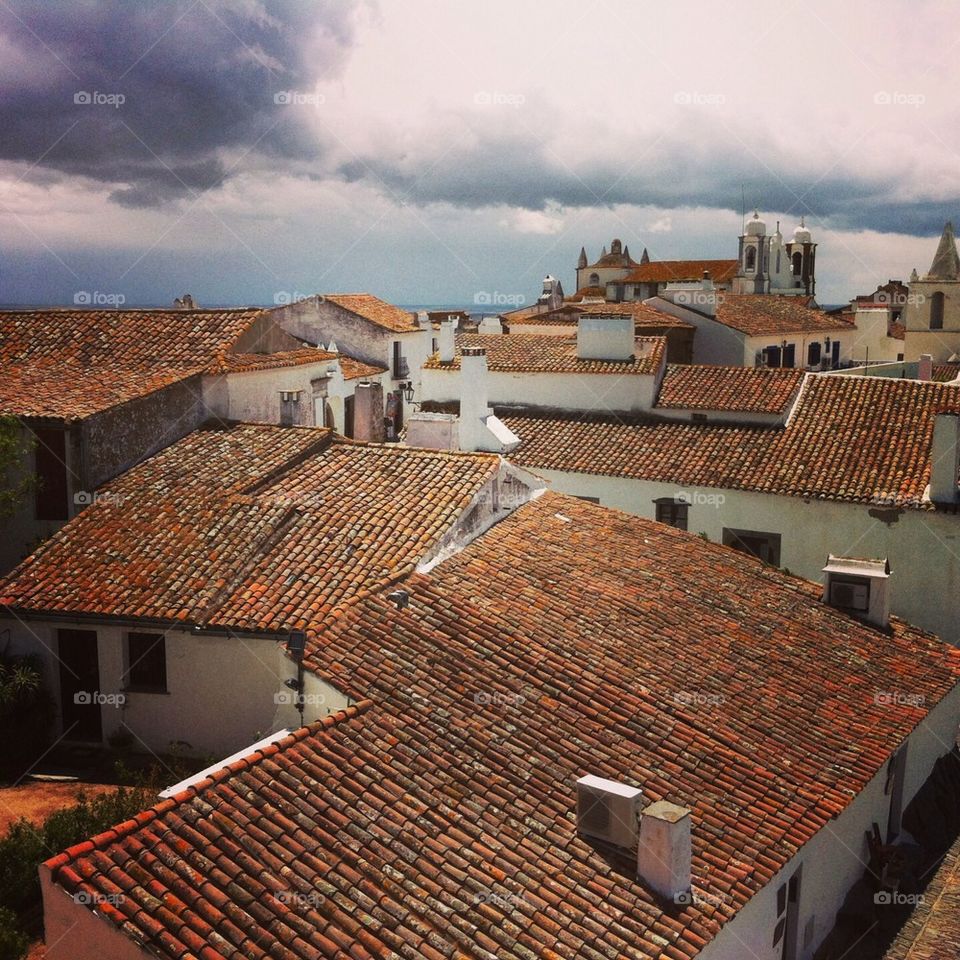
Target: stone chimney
858 587
605 338
944 458
368 413
665 849
447 339
185 302
925 367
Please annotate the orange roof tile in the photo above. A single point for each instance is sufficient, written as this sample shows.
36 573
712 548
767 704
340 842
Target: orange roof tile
377 311
644 316
734 389
772 314
852 439
548 648
547 354
667 271
236 528
71 364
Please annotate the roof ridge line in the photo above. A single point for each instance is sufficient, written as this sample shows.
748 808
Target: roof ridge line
121 830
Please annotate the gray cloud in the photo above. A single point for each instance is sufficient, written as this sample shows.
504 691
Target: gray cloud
197 77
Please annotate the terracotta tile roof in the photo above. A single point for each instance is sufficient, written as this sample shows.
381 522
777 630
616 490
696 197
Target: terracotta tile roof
238 528
357 369
547 354
945 372
245 362
735 389
587 293
665 271
377 311
772 314
932 932
436 818
71 364
644 316
852 439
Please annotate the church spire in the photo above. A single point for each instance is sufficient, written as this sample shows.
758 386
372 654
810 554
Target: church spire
582 259
946 263
645 257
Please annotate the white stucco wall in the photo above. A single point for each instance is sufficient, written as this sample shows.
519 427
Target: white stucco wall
254 395
223 692
923 546
871 342
598 392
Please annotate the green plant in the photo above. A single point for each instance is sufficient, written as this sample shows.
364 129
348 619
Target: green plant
26 712
16 443
27 845
13 941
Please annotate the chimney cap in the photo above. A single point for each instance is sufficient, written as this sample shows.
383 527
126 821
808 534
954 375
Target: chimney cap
856 566
665 810
473 352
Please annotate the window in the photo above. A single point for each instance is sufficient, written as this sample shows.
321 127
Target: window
147 662
400 368
50 458
594 280
797 264
672 512
348 416
936 311
813 353
751 258
289 409
763 546
789 355
772 356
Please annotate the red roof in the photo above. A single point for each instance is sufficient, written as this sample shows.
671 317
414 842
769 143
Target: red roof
773 314
70 364
436 818
549 354
645 317
236 528
667 271
852 439
733 389
376 311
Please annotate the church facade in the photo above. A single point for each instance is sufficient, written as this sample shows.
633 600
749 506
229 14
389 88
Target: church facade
932 315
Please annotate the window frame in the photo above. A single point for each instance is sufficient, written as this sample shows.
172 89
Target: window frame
141 685
678 511
731 536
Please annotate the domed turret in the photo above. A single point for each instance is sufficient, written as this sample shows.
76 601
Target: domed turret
801 234
755 226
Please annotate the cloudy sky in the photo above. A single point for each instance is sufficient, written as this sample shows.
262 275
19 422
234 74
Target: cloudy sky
429 151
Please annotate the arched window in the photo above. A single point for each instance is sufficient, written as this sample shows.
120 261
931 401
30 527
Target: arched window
594 280
751 258
936 311
797 264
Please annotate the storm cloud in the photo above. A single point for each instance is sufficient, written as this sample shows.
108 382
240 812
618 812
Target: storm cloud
163 100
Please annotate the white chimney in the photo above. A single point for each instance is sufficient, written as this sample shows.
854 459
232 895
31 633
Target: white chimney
490 325
605 338
479 429
665 849
608 810
925 367
944 458
446 342
858 587
423 319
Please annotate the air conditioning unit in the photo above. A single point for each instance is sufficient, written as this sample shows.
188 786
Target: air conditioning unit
850 596
608 810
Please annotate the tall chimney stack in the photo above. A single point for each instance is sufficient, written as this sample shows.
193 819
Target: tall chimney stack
944 458
925 367
665 849
446 341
